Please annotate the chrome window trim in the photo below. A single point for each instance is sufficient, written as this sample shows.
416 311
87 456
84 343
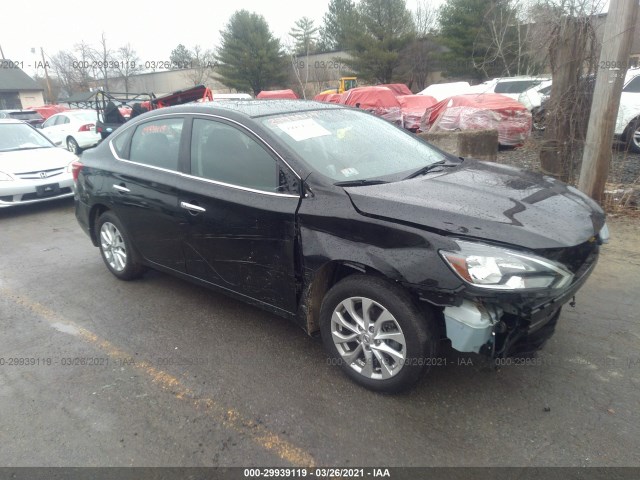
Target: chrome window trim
215 182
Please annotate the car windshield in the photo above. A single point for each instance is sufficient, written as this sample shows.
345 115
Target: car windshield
347 145
20 136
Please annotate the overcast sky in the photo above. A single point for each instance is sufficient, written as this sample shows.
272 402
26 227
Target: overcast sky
152 30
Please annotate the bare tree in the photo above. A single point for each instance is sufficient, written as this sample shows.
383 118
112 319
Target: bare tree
126 63
103 58
418 55
203 63
573 50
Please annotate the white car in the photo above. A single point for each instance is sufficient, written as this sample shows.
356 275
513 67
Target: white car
73 129
533 97
32 169
628 120
511 87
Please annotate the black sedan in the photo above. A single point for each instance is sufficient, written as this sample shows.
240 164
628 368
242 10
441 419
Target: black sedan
345 224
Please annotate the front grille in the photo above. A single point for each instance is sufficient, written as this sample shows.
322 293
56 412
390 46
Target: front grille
37 174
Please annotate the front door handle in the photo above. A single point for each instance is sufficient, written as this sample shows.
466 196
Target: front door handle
192 208
121 188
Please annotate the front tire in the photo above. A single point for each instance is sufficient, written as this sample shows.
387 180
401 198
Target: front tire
375 332
116 249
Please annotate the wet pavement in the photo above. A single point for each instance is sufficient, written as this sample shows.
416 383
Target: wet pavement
157 372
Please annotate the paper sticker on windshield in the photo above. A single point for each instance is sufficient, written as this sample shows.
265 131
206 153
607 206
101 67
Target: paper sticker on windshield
304 129
349 172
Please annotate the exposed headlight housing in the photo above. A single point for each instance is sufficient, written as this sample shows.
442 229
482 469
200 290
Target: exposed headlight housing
497 268
604 234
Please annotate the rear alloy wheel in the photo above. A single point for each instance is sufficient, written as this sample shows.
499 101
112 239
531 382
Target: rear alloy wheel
116 249
633 136
373 330
73 146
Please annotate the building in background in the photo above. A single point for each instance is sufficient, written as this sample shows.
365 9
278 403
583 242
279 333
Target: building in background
17 89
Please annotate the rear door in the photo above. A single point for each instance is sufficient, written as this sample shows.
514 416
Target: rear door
143 188
239 205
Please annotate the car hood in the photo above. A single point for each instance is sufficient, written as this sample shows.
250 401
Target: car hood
35 160
487 201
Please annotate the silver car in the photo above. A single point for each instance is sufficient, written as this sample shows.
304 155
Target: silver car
32 169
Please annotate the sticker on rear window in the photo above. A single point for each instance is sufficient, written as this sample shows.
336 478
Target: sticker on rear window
303 129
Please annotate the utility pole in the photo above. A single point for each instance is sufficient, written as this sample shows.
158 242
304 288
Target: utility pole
616 46
46 75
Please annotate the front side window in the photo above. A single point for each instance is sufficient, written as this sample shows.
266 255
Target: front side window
157 143
225 154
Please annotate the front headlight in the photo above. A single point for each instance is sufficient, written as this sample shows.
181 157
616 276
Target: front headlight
5 177
496 268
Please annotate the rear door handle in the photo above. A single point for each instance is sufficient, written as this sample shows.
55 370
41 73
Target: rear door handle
121 188
192 208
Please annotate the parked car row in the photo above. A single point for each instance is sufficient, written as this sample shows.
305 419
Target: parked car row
32 168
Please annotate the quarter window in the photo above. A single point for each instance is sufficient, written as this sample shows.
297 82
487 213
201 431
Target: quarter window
223 153
157 143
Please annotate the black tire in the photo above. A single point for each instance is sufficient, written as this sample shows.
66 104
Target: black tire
73 147
116 249
418 329
632 136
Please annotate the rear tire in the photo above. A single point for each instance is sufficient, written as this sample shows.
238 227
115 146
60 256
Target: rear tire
374 331
116 249
73 147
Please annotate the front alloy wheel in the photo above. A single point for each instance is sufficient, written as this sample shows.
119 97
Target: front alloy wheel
378 335
368 338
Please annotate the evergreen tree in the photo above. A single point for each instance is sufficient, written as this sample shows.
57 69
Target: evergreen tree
250 57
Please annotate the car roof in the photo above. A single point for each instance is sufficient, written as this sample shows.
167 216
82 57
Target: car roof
250 108
12 120
15 110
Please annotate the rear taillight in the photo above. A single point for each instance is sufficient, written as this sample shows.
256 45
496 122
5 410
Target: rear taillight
98 129
86 128
75 169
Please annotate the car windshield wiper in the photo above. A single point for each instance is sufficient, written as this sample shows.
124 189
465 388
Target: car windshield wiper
359 183
429 168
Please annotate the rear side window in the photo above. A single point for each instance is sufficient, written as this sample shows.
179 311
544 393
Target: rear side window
157 143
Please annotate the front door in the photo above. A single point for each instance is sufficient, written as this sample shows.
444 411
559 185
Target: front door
240 205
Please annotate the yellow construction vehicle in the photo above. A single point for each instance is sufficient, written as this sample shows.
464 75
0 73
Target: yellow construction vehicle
346 83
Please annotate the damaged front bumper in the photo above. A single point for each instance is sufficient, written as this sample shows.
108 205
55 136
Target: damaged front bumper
500 324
